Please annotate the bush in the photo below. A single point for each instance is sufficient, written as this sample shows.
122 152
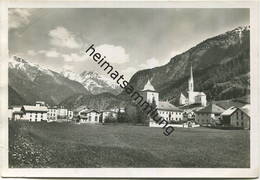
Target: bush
110 119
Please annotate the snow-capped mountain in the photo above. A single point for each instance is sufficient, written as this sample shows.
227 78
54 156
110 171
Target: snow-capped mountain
30 82
93 82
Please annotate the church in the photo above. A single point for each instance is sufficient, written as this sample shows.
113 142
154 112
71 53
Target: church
168 111
192 97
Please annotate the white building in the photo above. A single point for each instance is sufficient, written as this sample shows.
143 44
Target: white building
55 114
169 112
62 113
89 116
165 109
108 114
70 114
15 113
35 113
193 97
120 109
52 114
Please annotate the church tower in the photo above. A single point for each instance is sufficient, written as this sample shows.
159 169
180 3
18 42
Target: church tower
150 94
191 87
191 83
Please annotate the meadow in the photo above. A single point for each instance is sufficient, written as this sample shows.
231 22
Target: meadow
67 145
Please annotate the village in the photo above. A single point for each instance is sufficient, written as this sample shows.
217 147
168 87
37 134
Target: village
193 111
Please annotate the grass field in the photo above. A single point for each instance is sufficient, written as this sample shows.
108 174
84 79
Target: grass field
64 145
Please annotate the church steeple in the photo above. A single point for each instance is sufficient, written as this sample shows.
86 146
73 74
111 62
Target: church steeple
148 86
191 83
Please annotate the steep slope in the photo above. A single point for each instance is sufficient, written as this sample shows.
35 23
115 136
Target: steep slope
33 82
15 99
93 82
220 67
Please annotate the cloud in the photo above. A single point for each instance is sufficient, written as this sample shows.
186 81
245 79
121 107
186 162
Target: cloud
31 53
129 72
68 67
174 53
114 54
73 57
50 53
150 63
61 37
19 17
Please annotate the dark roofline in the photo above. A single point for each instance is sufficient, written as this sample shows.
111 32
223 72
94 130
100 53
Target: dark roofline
147 90
91 110
237 108
177 110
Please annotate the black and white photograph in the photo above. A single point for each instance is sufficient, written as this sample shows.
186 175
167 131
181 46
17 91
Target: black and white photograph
128 87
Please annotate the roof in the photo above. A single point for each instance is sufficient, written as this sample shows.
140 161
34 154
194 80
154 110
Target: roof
35 108
165 105
229 111
17 112
212 108
148 86
89 110
202 94
184 94
197 93
246 109
80 108
110 111
226 104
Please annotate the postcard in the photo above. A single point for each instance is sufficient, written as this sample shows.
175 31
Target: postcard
135 89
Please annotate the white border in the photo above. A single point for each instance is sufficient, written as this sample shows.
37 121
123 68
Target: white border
135 172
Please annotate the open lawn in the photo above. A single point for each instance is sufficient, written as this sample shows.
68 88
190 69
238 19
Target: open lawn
65 145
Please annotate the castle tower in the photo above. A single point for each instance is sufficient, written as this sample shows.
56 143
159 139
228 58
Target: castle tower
149 93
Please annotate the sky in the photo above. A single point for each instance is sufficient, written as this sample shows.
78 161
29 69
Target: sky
131 39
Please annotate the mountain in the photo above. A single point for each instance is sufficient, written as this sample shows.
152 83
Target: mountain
15 98
99 101
220 69
94 82
29 82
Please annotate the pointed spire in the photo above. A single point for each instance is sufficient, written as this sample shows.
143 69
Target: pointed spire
148 86
191 73
191 84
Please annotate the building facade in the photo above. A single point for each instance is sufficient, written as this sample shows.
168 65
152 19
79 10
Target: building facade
52 114
37 113
209 116
236 117
165 109
89 116
106 114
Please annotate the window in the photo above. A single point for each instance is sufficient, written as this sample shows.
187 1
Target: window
242 115
242 124
237 123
